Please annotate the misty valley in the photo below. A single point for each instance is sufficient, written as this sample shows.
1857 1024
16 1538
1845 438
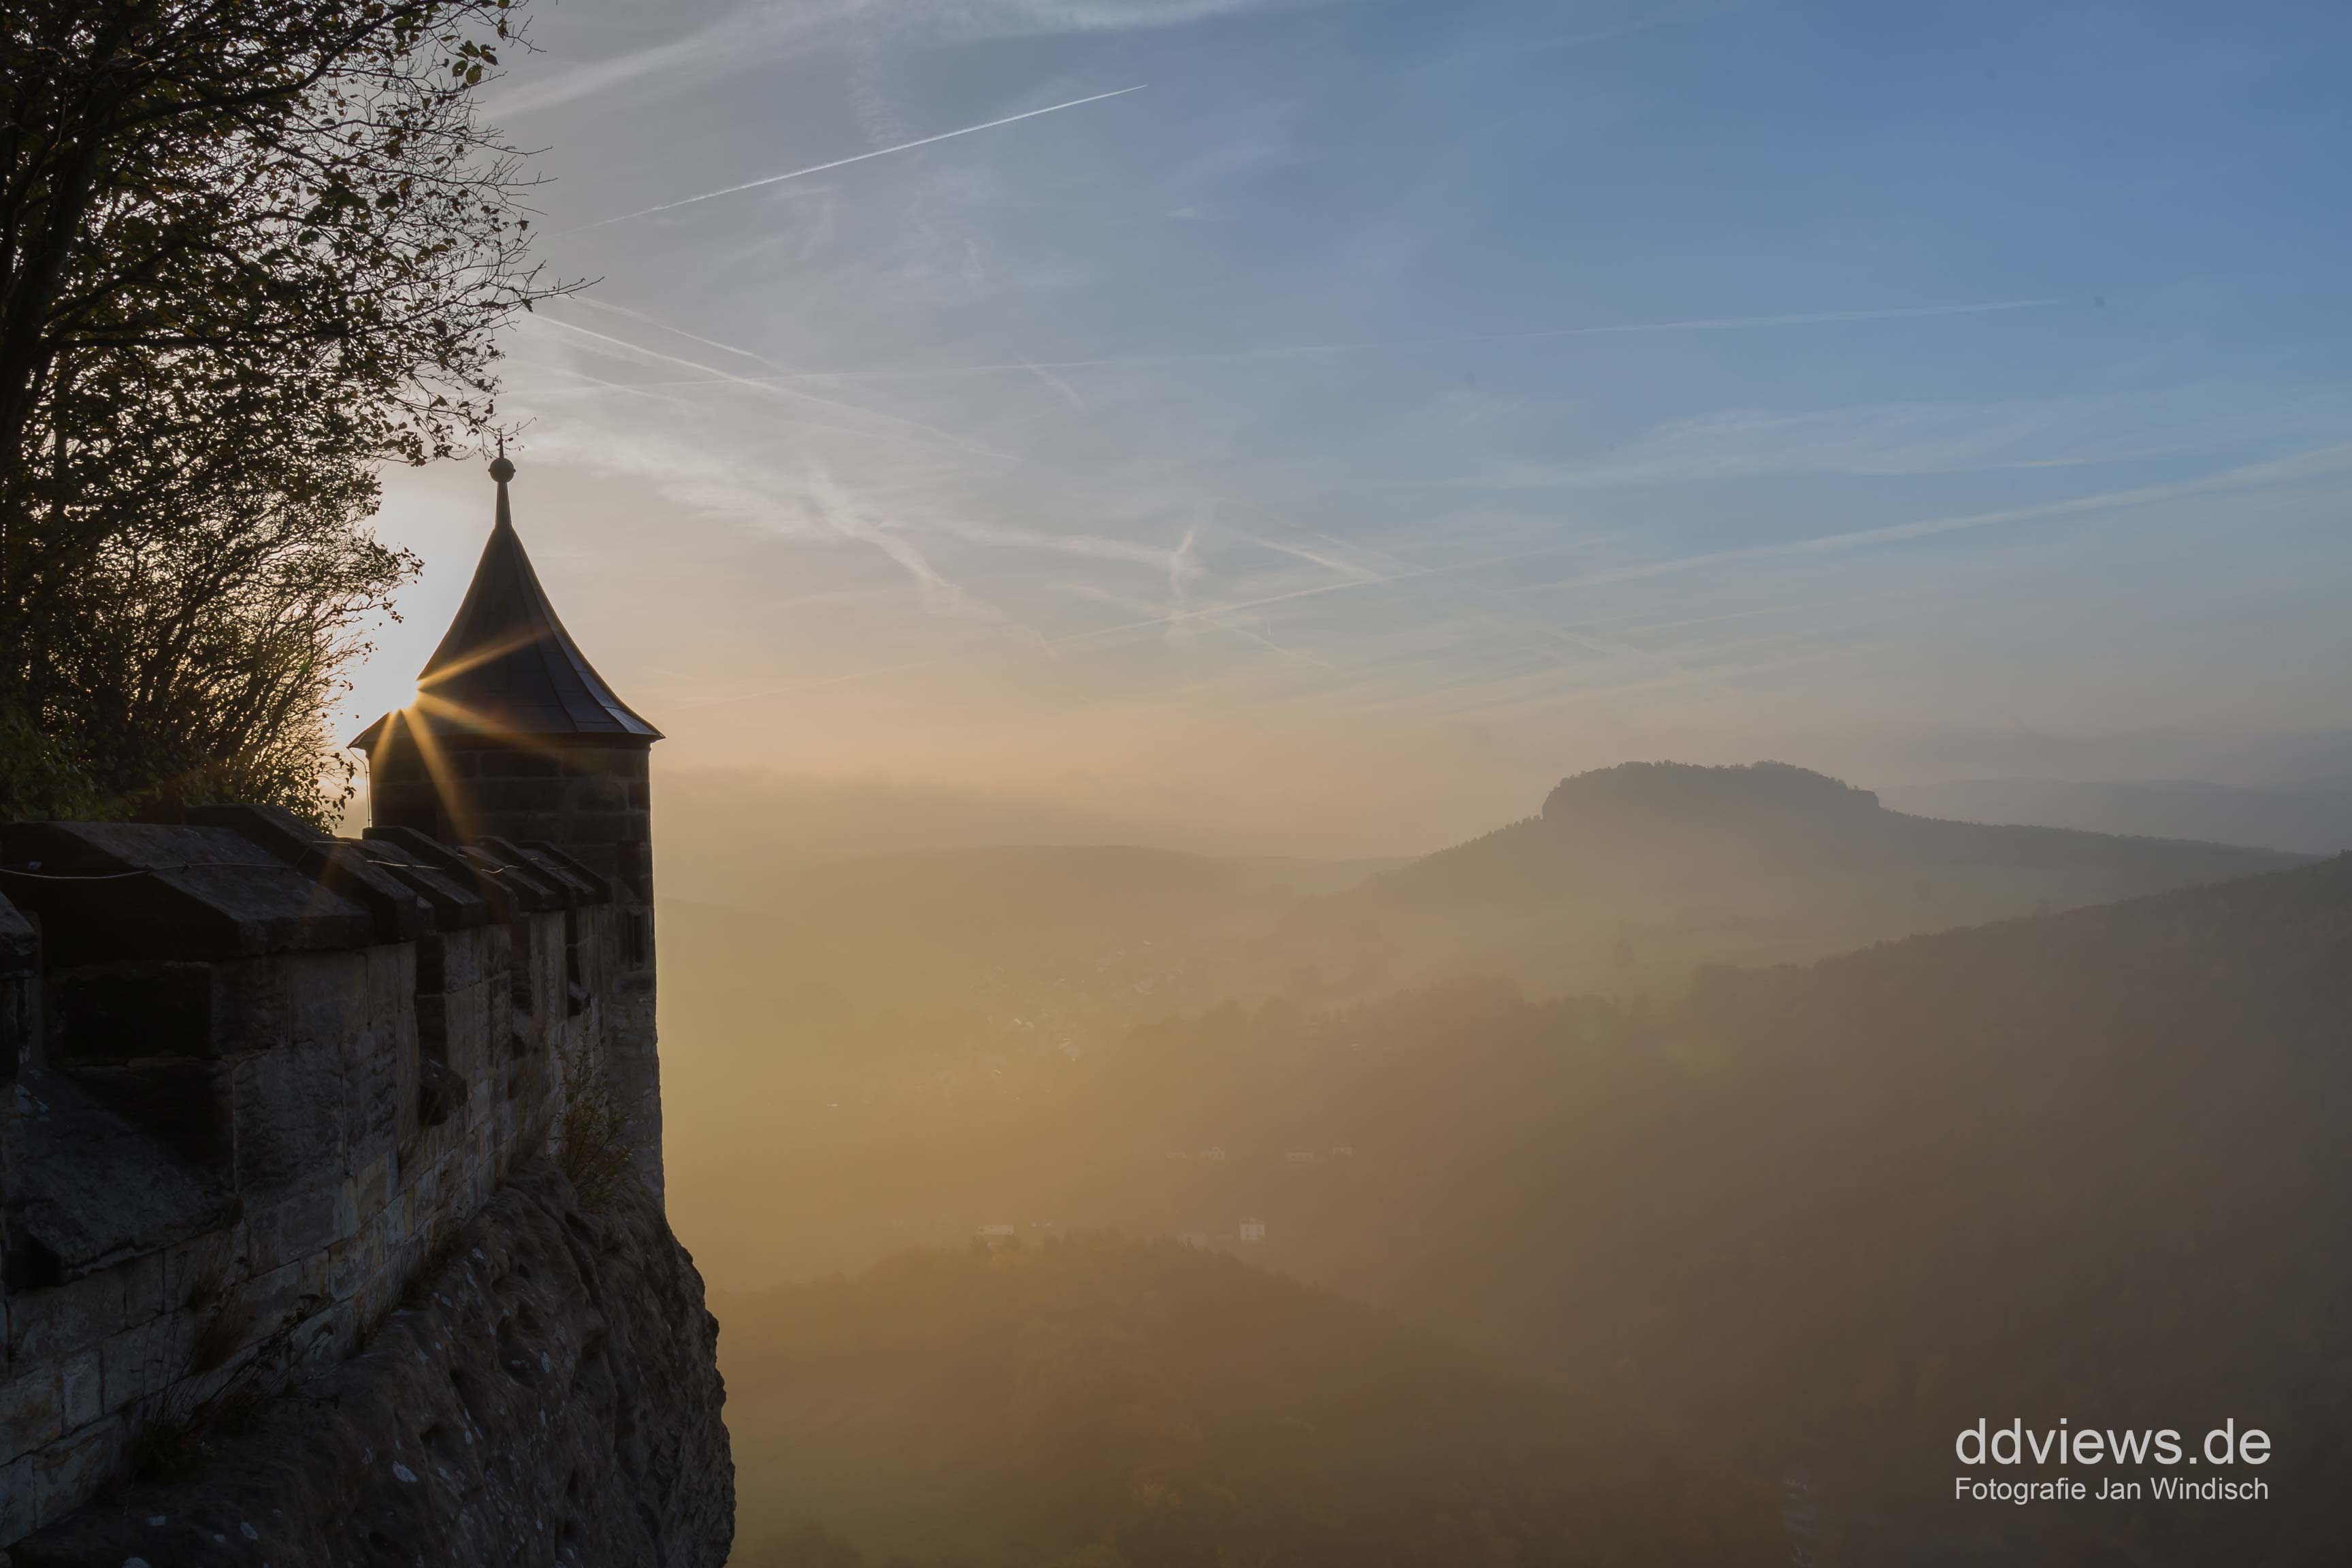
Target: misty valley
974 784
1666 1177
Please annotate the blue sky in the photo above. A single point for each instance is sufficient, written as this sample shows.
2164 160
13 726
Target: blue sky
1394 405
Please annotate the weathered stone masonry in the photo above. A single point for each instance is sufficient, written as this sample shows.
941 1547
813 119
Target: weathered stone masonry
259 1086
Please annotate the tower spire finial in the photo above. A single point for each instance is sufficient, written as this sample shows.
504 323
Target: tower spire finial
502 471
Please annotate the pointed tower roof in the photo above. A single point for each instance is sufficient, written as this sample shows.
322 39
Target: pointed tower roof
507 665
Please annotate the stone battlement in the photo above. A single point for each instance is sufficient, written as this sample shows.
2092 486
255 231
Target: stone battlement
252 1082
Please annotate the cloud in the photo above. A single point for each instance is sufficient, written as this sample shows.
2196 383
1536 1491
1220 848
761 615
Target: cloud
762 35
1176 565
771 386
809 504
1925 438
2317 462
1379 345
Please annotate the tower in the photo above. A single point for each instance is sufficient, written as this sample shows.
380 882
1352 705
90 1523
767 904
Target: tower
514 736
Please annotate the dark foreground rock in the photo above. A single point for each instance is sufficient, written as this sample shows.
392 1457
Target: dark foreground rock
550 1395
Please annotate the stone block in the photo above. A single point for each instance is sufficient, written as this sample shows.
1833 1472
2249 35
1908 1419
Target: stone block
381 1295
397 1229
383 1235
376 1182
348 1269
55 1323
32 1412
522 765
362 1259
16 1517
251 1009
328 993
142 1288
83 1389
371 1101
146 1359
391 980
462 961
289 1115
471 1015
288 1293
203 1267
302 1226
69 1471
427 1188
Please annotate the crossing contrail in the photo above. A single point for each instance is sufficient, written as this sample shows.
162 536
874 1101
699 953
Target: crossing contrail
860 158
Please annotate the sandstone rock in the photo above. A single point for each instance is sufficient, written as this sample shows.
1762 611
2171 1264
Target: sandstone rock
548 1395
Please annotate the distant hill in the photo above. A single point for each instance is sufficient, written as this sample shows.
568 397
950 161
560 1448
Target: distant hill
1812 1219
1126 1405
2313 818
2089 1165
1633 876
955 973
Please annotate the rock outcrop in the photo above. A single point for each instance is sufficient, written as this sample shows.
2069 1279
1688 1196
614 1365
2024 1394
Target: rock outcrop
547 1394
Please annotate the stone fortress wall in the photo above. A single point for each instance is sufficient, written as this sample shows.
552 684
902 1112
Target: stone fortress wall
253 1083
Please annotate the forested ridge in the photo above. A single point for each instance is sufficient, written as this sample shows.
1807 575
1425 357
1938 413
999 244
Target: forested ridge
1811 1219
1094 1400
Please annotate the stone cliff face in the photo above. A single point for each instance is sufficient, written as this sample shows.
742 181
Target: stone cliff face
546 1394
289 1262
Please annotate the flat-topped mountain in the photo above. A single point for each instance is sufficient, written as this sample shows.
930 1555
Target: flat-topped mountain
1633 875
969 969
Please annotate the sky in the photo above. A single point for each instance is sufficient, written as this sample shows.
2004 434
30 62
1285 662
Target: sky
1321 426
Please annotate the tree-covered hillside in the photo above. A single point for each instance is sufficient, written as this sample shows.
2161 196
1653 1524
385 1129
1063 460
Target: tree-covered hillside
1106 1403
2085 1166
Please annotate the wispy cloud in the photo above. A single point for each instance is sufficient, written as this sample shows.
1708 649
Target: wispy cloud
1521 48
804 501
1928 438
772 386
765 35
2316 463
1377 345
846 515
1176 564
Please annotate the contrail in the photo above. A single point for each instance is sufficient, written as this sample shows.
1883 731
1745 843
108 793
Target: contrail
676 332
860 158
